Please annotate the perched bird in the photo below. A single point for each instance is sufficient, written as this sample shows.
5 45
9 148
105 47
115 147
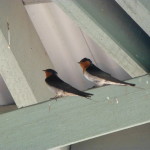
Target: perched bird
60 87
98 76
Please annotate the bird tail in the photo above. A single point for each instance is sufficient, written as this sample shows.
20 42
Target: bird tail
134 85
126 83
131 84
86 95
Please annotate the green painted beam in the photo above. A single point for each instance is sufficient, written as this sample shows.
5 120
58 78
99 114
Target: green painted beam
146 3
139 10
74 119
113 30
136 138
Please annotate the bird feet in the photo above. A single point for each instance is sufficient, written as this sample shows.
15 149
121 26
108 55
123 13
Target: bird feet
55 97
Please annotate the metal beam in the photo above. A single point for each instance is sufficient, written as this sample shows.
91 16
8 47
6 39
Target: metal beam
22 55
4 109
136 138
139 10
29 2
13 76
113 30
74 119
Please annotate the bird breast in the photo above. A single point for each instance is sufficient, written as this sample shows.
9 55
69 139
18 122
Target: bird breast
60 92
90 77
53 89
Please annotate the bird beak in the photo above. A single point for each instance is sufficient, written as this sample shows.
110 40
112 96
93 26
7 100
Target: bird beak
78 62
44 70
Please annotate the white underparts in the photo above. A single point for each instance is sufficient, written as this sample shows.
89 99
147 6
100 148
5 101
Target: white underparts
99 81
59 92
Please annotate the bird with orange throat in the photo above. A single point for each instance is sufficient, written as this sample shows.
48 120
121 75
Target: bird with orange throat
98 76
60 87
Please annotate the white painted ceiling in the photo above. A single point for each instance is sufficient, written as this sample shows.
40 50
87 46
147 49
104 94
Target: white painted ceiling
66 44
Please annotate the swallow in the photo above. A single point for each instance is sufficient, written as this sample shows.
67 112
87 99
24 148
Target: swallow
98 76
60 87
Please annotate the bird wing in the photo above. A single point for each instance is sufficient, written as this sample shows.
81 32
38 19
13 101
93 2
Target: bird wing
56 82
95 71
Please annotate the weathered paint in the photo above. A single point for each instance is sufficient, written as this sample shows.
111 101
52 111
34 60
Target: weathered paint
75 119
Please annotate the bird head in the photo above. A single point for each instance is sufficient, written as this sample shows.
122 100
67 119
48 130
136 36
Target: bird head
85 63
50 72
